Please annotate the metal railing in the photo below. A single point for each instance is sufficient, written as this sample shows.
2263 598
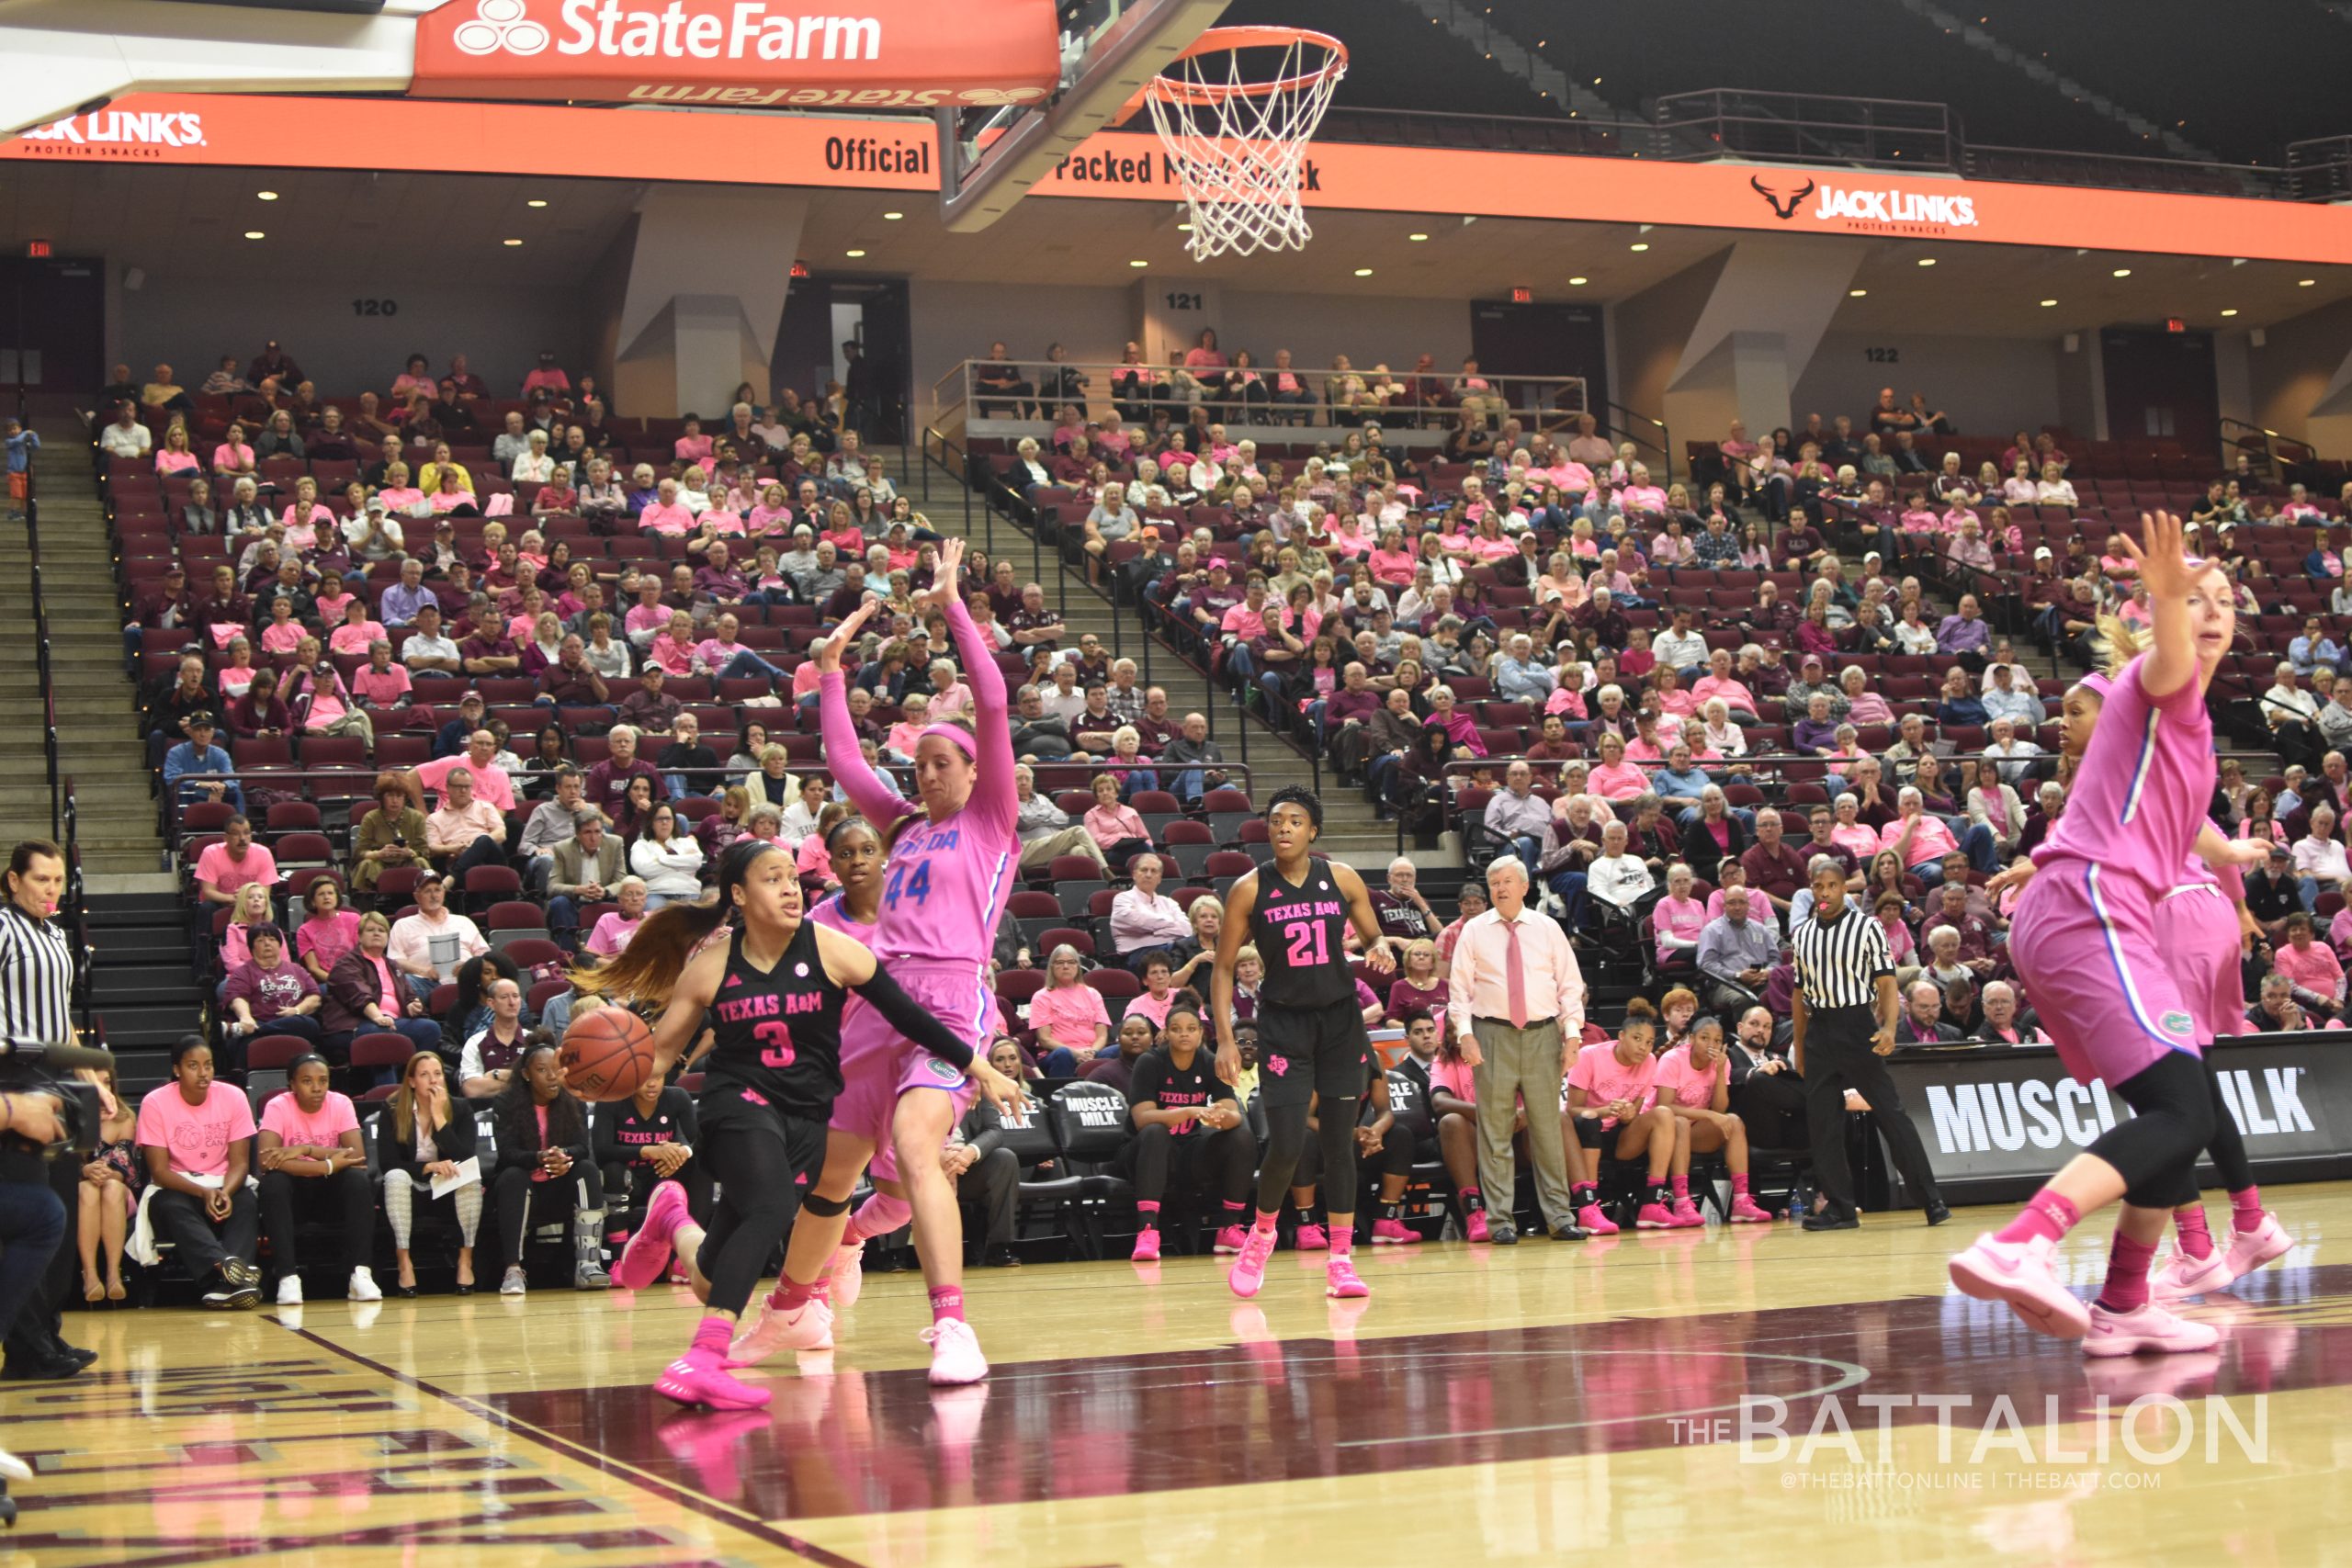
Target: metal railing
1413 408
2272 453
1807 128
42 651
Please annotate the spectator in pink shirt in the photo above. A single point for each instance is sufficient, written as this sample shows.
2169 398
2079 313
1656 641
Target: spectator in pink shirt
1917 838
225 867
1068 1015
233 458
666 515
616 927
1718 682
673 650
1118 830
692 446
1616 779
546 374
357 632
380 683
196 1137
2316 974
1676 919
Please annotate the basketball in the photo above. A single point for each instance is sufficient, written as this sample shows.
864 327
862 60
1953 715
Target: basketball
606 1055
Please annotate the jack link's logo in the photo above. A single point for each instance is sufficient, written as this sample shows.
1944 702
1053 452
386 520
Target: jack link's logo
1782 210
499 24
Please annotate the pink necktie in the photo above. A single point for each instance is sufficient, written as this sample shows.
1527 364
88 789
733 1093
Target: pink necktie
1515 976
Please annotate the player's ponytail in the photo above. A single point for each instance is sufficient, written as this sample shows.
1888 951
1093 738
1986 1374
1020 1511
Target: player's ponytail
2124 643
645 970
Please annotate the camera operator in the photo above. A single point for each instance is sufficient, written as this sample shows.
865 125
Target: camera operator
36 1197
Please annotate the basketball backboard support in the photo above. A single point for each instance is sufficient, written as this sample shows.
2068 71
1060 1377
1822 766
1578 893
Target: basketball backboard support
989 158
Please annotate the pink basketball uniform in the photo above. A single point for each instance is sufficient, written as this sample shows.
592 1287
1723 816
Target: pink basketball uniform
2197 925
2085 938
947 887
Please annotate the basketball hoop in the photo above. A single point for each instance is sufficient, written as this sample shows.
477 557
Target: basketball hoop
1236 134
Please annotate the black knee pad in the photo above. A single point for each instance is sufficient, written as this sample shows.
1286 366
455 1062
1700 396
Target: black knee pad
824 1208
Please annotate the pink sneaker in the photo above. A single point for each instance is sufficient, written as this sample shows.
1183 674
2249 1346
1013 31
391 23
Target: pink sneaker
848 1275
1686 1214
1249 1271
2249 1250
1313 1238
2183 1276
808 1326
648 1252
1340 1278
2145 1327
2019 1272
696 1378
955 1353
1744 1211
1592 1217
1147 1247
1393 1232
1477 1229
1654 1217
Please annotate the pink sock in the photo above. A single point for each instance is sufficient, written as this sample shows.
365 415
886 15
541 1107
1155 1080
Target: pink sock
1150 1214
792 1295
2245 1208
711 1337
2046 1213
2194 1239
878 1215
2127 1274
1682 1187
1266 1222
1344 1239
945 1302
1740 1183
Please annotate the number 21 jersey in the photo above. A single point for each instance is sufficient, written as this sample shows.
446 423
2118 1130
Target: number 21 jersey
1299 933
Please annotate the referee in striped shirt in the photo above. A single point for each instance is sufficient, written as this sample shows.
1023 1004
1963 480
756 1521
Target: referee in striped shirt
38 1198
1843 1018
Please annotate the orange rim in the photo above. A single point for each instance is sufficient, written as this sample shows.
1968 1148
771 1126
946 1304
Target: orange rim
1217 40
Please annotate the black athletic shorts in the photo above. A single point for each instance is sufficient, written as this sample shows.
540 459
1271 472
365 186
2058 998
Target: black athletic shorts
730 1112
1308 1051
1591 1136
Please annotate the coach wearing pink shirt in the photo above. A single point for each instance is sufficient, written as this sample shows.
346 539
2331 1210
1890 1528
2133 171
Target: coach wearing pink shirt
1516 1006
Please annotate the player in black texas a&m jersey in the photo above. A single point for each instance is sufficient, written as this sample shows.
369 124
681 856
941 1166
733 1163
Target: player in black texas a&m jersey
1188 1131
1311 1038
772 992
646 1140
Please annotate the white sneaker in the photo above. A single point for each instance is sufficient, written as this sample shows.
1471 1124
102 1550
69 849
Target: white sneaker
808 1326
955 1353
513 1284
364 1287
290 1291
14 1469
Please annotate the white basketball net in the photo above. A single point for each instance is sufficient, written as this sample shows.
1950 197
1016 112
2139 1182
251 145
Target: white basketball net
1238 140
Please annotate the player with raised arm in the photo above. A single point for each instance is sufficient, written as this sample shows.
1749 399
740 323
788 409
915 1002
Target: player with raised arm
771 991
955 850
1311 1035
2089 944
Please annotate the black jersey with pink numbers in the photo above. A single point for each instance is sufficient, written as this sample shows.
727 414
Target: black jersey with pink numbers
778 1033
1300 934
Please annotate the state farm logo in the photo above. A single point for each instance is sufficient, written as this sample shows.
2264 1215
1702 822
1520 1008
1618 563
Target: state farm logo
499 25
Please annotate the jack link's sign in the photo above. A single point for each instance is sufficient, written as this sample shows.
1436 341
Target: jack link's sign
741 53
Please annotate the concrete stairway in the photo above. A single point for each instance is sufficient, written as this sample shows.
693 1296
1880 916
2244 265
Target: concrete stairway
98 743
1352 830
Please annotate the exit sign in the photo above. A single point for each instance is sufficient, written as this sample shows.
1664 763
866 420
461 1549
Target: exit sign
2175 324
35 249
1522 296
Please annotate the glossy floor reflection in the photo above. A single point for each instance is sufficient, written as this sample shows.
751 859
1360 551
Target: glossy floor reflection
1484 1405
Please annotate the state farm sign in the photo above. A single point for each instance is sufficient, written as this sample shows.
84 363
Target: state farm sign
744 54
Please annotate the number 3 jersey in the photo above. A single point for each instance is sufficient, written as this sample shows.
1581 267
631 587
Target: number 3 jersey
1299 933
778 1033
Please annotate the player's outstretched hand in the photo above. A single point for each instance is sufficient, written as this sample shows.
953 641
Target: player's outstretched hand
998 1090
2162 555
829 652
1379 960
947 576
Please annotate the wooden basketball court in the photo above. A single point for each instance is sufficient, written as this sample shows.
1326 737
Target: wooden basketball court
1496 1405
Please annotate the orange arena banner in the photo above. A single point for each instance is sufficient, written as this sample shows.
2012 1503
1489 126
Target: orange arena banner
849 152
741 53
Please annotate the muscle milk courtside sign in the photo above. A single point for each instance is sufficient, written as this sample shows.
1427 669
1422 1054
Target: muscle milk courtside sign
741 53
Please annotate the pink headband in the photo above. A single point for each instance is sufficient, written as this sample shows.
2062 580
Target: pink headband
955 735
2099 683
